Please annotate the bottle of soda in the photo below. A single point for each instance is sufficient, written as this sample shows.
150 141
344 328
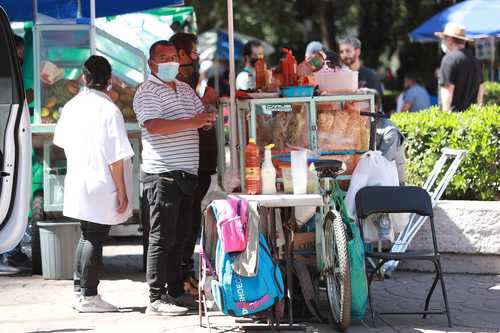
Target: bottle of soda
260 73
252 167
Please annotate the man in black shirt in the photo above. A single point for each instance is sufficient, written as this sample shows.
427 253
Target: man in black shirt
350 52
186 45
460 74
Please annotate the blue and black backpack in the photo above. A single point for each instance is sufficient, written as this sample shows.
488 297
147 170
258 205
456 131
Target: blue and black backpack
240 296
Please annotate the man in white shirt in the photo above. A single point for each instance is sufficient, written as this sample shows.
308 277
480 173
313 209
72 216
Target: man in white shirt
170 114
252 51
97 186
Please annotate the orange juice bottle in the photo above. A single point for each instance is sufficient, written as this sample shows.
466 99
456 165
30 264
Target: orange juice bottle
252 167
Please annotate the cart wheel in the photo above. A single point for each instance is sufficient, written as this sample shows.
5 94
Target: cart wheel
37 214
337 271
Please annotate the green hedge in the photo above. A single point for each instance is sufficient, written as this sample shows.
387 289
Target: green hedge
492 93
476 130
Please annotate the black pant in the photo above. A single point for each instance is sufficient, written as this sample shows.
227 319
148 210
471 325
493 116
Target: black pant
170 200
204 180
88 260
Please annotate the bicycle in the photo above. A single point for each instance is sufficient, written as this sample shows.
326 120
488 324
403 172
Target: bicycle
334 266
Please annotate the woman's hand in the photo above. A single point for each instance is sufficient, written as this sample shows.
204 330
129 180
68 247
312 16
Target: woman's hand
122 201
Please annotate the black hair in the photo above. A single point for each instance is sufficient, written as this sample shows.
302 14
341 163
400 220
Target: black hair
97 72
247 49
332 58
153 47
414 77
183 41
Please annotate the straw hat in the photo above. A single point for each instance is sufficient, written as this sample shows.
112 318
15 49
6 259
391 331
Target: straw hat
453 30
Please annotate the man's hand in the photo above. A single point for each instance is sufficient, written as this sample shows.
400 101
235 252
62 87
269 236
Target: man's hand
210 96
447 96
122 201
204 119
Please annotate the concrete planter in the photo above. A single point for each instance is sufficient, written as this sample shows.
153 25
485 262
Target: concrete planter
468 234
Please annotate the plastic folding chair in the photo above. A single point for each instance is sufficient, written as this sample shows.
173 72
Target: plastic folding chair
404 199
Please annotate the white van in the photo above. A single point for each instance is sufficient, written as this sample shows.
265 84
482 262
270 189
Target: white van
15 143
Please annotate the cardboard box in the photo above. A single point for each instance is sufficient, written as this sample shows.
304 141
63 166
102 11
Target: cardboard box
304 243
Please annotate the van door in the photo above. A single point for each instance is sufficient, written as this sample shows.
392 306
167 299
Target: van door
15 143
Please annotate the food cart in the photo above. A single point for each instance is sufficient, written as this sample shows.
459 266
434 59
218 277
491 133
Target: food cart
337 126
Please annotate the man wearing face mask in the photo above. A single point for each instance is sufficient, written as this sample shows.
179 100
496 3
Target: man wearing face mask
170 114
185 43
460 74
252 51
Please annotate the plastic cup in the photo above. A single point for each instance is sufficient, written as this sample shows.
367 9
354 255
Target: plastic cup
299 171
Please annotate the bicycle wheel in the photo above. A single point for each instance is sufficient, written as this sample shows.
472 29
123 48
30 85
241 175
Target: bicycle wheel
337 272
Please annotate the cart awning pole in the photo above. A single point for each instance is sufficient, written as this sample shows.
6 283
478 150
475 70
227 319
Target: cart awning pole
232 82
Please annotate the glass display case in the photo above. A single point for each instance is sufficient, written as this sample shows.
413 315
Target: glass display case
61 50
335 127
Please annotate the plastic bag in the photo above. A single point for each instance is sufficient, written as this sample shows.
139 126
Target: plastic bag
372 170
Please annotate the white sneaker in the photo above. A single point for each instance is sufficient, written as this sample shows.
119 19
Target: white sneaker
94 304
75 300
165 307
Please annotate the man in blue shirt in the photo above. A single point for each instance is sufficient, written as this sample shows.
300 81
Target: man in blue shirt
415 97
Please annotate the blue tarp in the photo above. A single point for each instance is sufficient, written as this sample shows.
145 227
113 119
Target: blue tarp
22 10
480 17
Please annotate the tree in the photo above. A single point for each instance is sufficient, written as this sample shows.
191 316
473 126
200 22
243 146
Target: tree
381 25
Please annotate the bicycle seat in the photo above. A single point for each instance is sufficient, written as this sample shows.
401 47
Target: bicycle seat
329 168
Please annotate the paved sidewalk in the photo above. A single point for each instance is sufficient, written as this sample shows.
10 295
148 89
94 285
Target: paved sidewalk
31 304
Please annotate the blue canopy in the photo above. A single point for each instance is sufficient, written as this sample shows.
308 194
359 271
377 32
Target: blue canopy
480 17
22 10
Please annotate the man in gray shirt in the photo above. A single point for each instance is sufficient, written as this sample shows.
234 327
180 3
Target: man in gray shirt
169 113
415 97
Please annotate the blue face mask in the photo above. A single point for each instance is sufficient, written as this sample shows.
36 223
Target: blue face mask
167 71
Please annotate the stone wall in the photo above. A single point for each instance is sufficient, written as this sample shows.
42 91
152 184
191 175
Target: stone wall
468 234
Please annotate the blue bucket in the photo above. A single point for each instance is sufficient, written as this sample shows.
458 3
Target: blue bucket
297 91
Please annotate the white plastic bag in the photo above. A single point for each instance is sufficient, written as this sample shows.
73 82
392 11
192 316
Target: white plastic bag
373 169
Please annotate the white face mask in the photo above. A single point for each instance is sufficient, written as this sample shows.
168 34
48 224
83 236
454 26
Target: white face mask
444 47
167 71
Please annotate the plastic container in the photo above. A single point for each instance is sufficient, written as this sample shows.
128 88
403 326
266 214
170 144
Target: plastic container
297 91
260 73
342 81
58 242
268 172
299 171
252 167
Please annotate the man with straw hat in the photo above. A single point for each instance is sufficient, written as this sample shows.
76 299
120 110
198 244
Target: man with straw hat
460 74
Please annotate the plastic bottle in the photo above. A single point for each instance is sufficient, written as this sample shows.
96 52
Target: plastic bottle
289 67
252 167
268 172
260 73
